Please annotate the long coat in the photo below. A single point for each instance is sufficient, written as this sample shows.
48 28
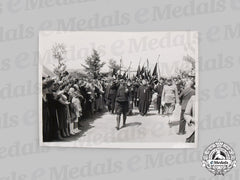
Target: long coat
159 89
184 97
189 115
144 97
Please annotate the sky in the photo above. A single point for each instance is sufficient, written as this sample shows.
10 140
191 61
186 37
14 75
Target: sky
134 48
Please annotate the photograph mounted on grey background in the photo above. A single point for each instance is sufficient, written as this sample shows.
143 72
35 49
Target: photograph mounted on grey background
118 89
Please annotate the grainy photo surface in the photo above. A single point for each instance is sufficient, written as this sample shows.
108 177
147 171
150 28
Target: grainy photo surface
118 89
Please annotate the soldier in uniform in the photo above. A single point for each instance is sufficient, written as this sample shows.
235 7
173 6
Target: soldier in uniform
122 103
112 95
135 90
131 96
158 88
169 99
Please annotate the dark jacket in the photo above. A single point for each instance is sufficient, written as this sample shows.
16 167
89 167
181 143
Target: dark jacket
185 95
122 94
159 89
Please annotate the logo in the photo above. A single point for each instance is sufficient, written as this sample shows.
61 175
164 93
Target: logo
219 158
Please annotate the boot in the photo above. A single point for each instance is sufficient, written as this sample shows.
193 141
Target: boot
59 135
67 132
118 122
63 133
124 120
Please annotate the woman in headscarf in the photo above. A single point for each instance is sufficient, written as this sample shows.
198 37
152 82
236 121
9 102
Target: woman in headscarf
62 113
98 95
76 111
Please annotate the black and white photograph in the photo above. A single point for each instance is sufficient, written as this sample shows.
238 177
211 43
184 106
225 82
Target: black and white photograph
118 89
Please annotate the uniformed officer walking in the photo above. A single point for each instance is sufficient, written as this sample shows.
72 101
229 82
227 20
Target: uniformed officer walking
122 103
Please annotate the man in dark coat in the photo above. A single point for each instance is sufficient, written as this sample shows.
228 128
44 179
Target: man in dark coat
158 89
131 96
112 95
122 103
46 118
184 97
53 108
135 90
144 97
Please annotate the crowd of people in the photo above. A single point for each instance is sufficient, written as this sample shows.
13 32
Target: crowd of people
67 101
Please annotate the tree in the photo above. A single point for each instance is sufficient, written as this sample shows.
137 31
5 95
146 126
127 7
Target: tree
113 66
93 65
59 52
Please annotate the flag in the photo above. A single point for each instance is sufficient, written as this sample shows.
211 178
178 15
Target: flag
155 74
120 66
189 59
142 72
147 75
124 76
138 71
114 72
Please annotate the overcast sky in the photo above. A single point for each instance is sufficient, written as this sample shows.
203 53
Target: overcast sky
132 47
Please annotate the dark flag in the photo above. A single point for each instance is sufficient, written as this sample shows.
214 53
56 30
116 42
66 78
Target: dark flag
124 76
145 75
142 73
114 72
138 71
142 70
133 77
155 74
149 74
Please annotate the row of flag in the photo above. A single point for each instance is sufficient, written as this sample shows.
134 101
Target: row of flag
145 73
142 73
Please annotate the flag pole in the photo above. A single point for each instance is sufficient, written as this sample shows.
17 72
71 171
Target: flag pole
129 68
121 66
158 65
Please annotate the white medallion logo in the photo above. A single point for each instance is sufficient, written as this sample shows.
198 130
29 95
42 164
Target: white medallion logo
219 158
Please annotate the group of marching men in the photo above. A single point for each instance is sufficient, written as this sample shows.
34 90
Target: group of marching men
67 101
